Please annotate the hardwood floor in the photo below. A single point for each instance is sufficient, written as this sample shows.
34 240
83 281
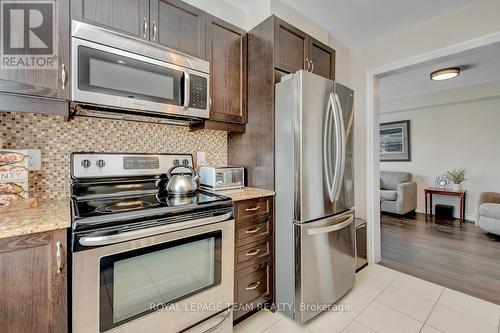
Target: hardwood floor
461 257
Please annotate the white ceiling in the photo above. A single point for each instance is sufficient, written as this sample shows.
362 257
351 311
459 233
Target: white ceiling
478 66
356 22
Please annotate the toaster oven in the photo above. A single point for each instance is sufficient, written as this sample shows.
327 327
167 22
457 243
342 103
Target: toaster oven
222 178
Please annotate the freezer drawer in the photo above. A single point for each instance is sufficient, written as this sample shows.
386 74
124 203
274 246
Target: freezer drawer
325 263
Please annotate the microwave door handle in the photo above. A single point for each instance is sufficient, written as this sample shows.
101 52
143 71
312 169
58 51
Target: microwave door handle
342 145
187 90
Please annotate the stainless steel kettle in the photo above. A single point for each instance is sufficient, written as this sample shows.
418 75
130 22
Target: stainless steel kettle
180 184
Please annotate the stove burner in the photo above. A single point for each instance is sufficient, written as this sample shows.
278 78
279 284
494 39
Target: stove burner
123 206
177 200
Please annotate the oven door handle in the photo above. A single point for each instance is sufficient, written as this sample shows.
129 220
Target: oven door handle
148 232
218 325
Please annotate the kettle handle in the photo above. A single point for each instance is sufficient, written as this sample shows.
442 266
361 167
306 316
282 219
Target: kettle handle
193 172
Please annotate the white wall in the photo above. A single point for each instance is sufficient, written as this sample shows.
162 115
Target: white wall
258 10
223 10
454 135
476 20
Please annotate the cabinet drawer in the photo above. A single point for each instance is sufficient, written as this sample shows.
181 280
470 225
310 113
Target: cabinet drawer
253 207
252 282
251 252
251 231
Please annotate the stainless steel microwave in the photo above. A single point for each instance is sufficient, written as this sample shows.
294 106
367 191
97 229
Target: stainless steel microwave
113 72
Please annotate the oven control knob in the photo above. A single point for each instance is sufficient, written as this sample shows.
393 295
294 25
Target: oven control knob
185 162
176 162
86 164
100 163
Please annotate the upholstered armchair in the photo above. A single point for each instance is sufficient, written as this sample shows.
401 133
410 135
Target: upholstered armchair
488 212
398 193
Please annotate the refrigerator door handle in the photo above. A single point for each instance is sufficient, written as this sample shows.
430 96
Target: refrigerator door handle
337 180
331 228
327 147
339 173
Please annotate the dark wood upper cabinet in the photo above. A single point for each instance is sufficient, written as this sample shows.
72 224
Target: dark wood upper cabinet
179 26
275 49
227 54
126 16
46 81
33 292
291 47
322 59
295 50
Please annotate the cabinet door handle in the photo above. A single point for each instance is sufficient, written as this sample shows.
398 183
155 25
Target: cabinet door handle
312 66
59 260
252 209
145 27
253 286
154 31
252 231
253 253
63 77
307 64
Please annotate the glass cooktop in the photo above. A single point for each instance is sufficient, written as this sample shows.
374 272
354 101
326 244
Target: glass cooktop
106 206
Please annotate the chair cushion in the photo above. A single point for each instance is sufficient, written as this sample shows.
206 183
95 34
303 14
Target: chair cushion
491 210
388 195
389 180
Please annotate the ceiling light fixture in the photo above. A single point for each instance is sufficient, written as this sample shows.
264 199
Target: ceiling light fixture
445 73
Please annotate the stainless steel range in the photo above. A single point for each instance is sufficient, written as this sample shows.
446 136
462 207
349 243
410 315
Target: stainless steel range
144 260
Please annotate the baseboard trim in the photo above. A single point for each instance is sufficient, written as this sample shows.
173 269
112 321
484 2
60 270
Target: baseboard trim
468 217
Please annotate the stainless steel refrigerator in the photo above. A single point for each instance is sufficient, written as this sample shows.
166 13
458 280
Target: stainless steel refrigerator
315 229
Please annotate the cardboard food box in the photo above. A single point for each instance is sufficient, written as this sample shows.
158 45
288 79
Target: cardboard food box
14 175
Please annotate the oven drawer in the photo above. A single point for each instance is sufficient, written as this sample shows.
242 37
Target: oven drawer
253 207
250 253
252 283
252 231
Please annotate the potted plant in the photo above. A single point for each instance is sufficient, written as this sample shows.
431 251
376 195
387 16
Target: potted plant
457 176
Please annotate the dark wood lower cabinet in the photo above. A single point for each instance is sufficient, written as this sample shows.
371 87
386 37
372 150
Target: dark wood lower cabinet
33 291
254 256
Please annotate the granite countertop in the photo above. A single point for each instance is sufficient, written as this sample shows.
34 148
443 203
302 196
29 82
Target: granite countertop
47 216
246 193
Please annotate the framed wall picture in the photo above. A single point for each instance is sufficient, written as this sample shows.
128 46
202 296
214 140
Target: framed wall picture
395 141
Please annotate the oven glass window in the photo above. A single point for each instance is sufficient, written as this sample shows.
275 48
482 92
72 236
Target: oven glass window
136 283
112 74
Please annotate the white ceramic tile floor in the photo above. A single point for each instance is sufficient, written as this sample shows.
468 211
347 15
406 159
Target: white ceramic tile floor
385 301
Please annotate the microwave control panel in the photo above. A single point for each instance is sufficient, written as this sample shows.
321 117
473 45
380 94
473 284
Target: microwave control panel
199 89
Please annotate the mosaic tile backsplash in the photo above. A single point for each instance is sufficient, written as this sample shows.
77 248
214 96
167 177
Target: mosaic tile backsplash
57 139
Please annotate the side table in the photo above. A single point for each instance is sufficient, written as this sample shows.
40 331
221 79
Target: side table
429 191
